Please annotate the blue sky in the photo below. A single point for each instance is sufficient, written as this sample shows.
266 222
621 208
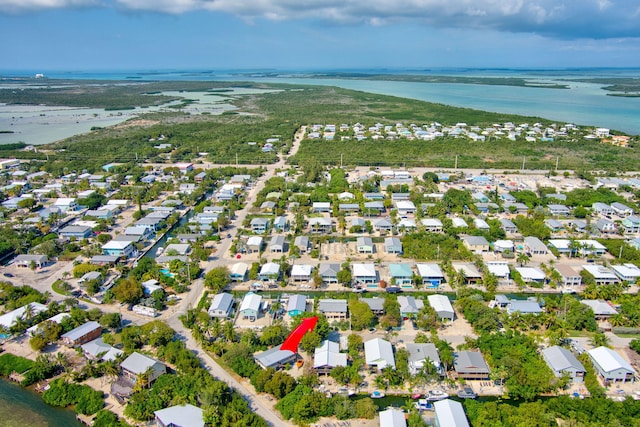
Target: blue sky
80 35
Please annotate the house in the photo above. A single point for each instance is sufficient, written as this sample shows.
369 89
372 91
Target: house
138 364
82 334
631 224
392 418
269 271
602 275
274 358
554 225
405 207
409 306
422 354
401 274
280 224
621 209
238 272
27 311
66 204
118 248
531 274
177 249
250 306
302 244
602 209
328 356
277 244
152 223
374 208
442 306
142 233
449 413
379 353
365 274
364 245
333 309
561 361
375 304
180 416
259 225
523 307
470 272
75 232
431 274
459 222
254 244
508 226
27 260
476 244
297 305
502 246
37 329
349 207
433 225
320 225
500 269
301 272
470 365
627 272
99 350
558 210
569 277
105 214
329 272
393 245
601 309
534 246
221 306
321 207
605 226
610 365
383 225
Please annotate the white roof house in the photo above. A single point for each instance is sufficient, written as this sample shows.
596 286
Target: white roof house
531 274
328 356
430 272
221 305
442 306
450 413
98 349
627 272
250 305
610 365
379 353
600 307
180 416
499 269
393 418
269 271
9 319
602 275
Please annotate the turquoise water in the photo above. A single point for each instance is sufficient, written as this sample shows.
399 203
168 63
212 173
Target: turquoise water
582 104
166 272
20 407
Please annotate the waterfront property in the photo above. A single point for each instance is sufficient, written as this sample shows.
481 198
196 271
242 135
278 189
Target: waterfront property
180 416
610 365
449 413
82 334
561 361
470 365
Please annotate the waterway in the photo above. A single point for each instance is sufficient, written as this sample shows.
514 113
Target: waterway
20 407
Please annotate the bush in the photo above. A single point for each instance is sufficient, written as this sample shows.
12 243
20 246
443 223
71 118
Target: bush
87 401
10 363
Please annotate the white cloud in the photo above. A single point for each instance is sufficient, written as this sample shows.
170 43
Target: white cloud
556 18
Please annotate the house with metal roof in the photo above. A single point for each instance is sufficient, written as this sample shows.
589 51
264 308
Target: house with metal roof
476 244
601 274
365 274
269 271
534 246
82 334
254 244
470 365
302 243
136 364
409 306
442 306
379 353
431 274
301 272
277 244
329 272
627 272
180 416
26 260
621 209
561 361
238 272
274 357
333 309
376 305
523 307
432 225
250 306
449 413
328 356
401 274
508 226
75 231
7 320
569 277
392 418
558 210
531 274
259 225
631 224
420 355
118 248
601 308
393 245
297 305
99 350
602 208
610 365
320 225
364 245
471 273
221 305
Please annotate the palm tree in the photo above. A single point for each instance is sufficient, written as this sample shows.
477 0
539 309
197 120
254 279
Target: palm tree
599 339
523 259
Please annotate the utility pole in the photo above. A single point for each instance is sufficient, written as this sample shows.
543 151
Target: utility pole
524 161
456 163
557 160
236 159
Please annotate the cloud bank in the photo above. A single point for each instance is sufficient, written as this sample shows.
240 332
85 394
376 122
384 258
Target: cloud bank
564 19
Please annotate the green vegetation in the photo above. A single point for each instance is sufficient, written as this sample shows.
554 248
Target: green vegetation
10 363
87 401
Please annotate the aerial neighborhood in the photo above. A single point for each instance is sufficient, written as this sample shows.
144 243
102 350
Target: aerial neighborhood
329 289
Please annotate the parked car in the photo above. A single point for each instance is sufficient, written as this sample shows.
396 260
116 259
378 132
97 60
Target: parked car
394 290
7 275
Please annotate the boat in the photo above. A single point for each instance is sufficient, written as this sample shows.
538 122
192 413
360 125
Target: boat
435 395
467 393
377 394
423 405
416 396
